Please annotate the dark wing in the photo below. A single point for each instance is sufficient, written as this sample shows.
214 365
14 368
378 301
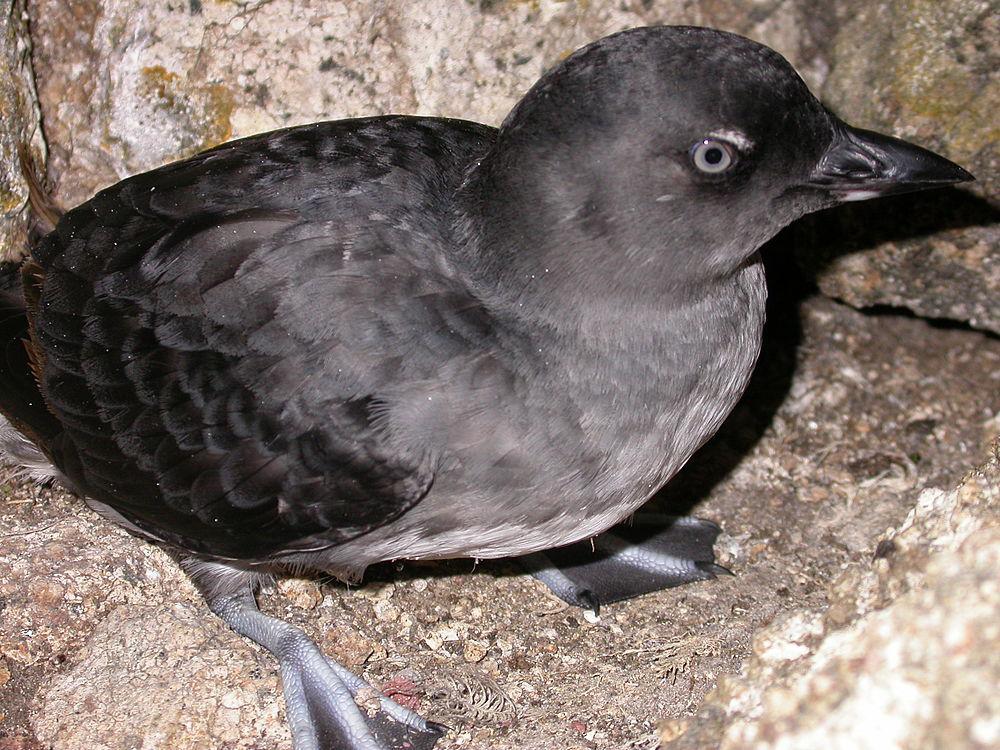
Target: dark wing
213 336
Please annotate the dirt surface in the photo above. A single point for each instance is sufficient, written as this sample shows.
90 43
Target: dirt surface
847 417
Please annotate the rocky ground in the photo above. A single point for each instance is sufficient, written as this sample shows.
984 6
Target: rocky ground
863 610
849 417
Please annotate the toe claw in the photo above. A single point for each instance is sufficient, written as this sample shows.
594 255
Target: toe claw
653 553
715 569
437 728
587 599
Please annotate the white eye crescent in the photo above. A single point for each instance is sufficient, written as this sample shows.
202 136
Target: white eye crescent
713 156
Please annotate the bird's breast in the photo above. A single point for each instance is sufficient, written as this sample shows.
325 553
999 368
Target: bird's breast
582 446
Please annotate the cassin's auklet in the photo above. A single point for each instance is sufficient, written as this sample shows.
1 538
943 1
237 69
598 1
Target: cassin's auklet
408 337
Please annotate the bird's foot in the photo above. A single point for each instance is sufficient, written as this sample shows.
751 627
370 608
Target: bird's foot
650 553
320 693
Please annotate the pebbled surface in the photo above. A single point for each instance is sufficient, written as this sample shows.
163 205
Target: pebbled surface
916 622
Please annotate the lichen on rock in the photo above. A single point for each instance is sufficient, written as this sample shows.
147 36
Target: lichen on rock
19 128
924 70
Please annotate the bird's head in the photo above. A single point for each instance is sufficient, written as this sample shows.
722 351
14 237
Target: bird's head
676 152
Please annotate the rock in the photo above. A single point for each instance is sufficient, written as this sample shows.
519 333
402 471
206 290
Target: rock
300 592
126 86
168 696
19 127
924 70
906 656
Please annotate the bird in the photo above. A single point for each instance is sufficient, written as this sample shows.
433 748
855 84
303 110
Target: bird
404 337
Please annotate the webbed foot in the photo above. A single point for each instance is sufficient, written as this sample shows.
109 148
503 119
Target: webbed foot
652 552
320 693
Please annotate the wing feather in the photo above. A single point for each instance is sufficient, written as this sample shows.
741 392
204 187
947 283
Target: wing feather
213 346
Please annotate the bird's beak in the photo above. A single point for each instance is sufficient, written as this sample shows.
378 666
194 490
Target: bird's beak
860 164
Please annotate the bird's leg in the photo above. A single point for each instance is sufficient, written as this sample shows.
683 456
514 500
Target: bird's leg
319 693
650 553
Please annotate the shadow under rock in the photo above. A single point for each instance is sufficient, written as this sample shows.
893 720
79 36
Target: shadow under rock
821 238
941 324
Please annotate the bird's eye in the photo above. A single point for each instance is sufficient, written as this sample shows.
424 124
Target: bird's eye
713 156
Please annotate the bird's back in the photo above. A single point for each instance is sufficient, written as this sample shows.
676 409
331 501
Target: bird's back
214 335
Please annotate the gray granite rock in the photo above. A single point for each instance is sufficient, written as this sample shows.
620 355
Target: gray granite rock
126 86
907 655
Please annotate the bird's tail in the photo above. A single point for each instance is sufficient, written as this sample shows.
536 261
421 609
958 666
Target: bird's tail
45 209
27 428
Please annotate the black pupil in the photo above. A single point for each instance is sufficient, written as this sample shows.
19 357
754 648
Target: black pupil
713 155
